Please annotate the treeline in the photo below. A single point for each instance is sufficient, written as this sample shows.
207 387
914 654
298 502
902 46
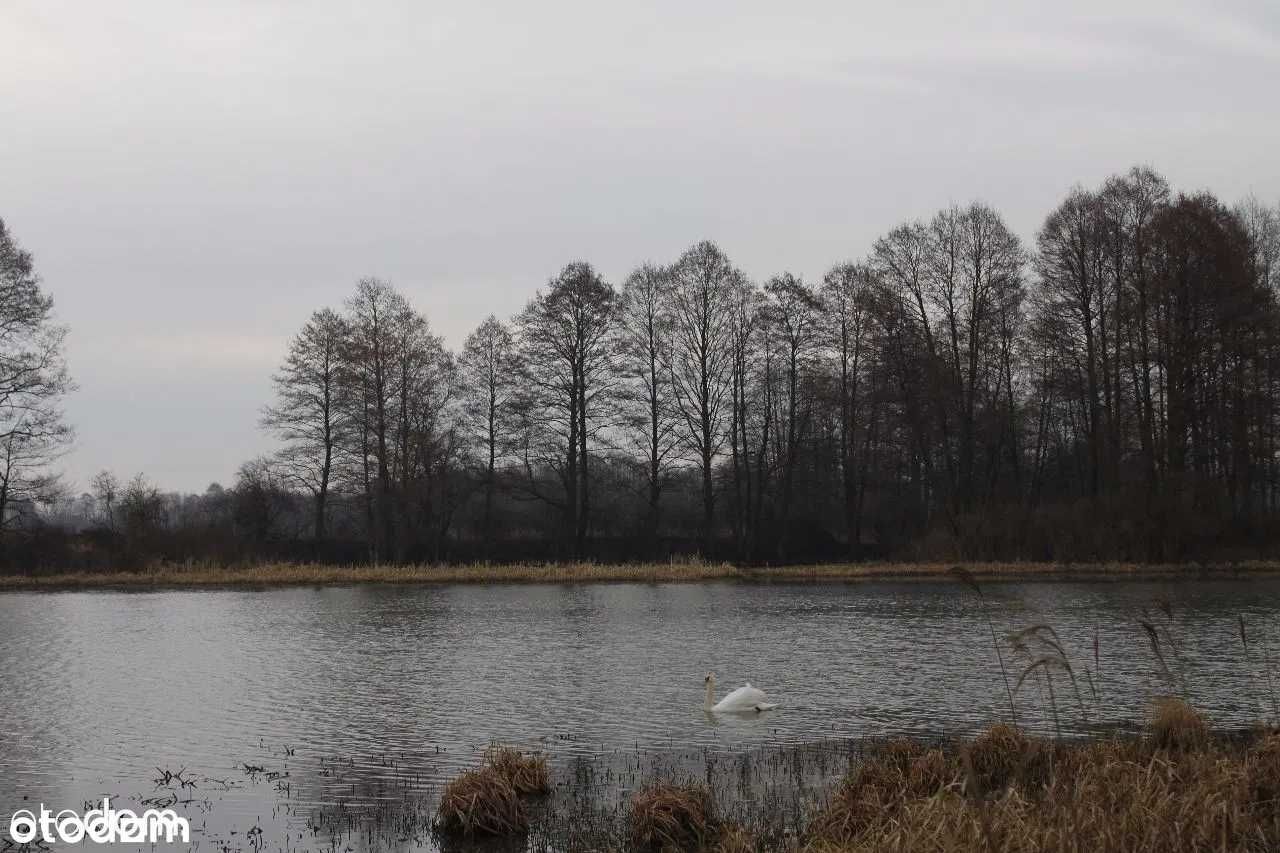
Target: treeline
1108 393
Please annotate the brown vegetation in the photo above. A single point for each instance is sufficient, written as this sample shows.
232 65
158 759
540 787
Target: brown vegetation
1176 725
481 802
307 574
488 801
1177 789
526 773
673 817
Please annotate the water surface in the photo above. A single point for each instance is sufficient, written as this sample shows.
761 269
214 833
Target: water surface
364 694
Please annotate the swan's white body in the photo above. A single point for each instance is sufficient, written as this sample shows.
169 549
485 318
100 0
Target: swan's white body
746 699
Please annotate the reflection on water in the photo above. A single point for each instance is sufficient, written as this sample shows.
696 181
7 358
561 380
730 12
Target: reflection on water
355 695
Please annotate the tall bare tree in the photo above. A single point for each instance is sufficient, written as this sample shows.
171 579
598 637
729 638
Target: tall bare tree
704 284
749 421
488 374
309 414
423 387
847 294
651 418
794 310
1075 292
372 348
33 382
567 375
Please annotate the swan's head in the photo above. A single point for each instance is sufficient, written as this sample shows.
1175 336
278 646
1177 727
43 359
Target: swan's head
711 676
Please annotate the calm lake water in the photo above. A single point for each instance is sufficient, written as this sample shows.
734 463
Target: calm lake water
351 697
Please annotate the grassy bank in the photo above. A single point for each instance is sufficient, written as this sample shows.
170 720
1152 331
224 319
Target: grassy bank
306 574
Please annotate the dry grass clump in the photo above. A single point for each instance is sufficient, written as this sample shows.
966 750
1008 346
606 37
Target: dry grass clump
487 801
526 773
1176 725
481 802
672 817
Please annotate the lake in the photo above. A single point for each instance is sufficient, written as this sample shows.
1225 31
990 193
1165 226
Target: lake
291 713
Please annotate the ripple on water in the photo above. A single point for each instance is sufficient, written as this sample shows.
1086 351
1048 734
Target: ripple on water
407 685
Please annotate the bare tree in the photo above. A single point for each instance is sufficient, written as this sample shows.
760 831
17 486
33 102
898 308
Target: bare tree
33 381
567 373
308 414
702 295
749 359
488 371
368 362
424 383
974 267
847 292
651 418
259 500
106 491
1074 292
794 310
1262 223
142 510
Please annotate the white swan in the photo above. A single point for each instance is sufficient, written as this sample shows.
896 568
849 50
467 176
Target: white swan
745 699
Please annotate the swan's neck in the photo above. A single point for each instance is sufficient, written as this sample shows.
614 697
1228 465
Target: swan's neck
711 695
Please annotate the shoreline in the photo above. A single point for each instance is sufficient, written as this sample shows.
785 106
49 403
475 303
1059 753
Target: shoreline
280 575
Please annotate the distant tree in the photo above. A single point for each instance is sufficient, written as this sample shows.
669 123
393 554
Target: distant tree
794 311
1262 224
567 374
142 511
975 273
847 330
651 418
1133 201
259 499
1215 324
309 414
106 492
750 396
488 378
704 285
425 443
372 316
913 362
1076 294
33 382
398 382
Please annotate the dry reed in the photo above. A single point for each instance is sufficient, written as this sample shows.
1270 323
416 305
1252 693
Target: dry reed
672 817
1178 789
481 802
304 574
735 839
527 774
1176 725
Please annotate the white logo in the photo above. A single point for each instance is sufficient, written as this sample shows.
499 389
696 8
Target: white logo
102 826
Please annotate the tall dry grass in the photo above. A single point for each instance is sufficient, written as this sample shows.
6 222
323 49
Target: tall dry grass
1176 789
171 575
481 802
489 801
526 773
674 817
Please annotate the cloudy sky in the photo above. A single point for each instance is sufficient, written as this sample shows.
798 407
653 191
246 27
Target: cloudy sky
195 178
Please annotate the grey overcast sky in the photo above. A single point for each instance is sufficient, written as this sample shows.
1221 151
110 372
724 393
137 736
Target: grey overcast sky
195 178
